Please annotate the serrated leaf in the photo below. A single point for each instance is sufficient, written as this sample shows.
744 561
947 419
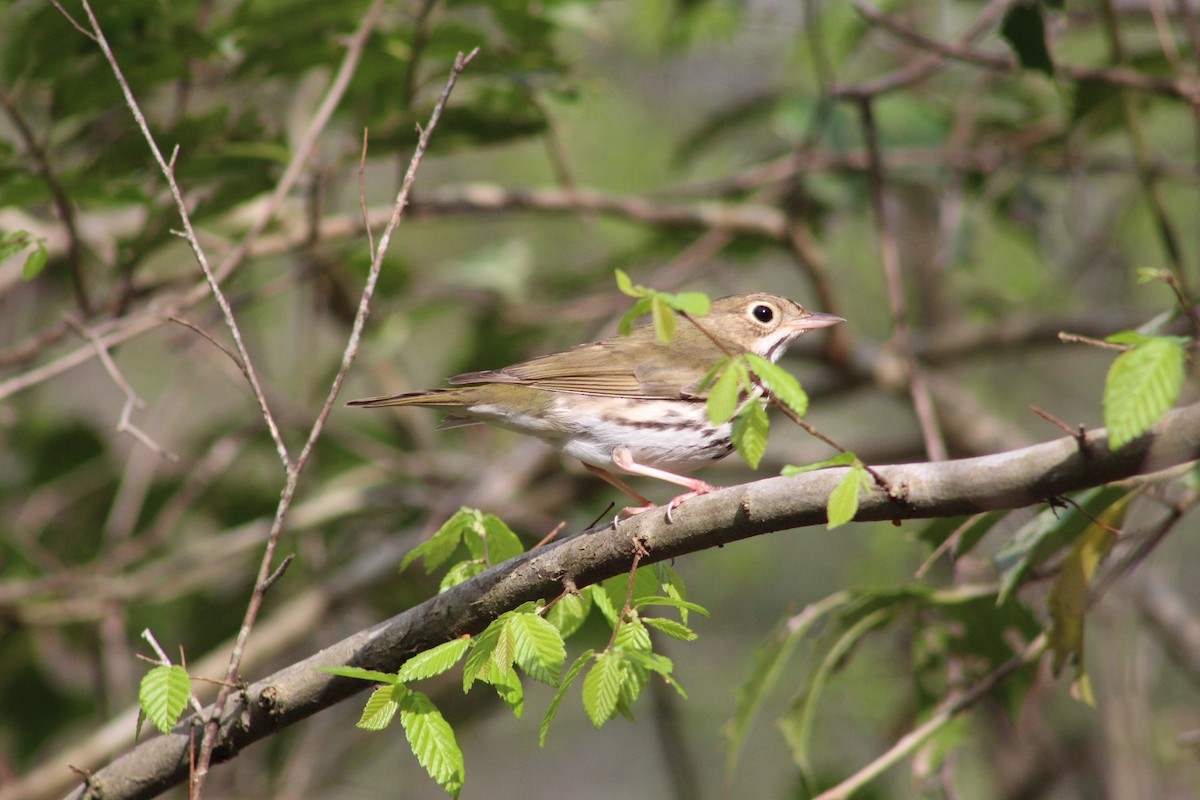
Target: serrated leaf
481 652
361 674
538 647
633 636
163 695
602 688
508 687
381 708
655 662
676 630
502 543
782 384
438 549
843 500
35 262
569 613
664 319
750 430
603 602
461 572
568 679
846 459
674 602
434 661
723 398
1025 31
1142 385
645 584
432 741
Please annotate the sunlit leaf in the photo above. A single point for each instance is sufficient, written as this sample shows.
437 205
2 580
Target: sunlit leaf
434 661
381 708
432 741
568 679
602 688
750 433
1142 385
163 695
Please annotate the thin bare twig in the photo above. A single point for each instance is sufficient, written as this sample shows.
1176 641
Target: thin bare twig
189 233
125 424
263 581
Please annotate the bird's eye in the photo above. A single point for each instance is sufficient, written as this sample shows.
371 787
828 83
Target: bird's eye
763 313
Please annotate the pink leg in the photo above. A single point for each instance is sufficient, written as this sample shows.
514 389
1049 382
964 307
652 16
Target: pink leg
644 504
623 459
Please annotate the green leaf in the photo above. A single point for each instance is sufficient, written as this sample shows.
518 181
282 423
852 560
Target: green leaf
14 242
381 707
633 636
434 661
625 284
674 602
693 303
664 319
1069 596
460 573
568 679
1142 385
538 647
35 262
361 674
750 433
780 383
602 688
502 543
164 694
1048 533
846 459
442 544
569 613
631 316
723 399
507 684
432 741
481 651
676 630
843 500
1025 31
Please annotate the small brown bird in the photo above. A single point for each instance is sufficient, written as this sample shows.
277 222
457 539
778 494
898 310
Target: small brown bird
631 401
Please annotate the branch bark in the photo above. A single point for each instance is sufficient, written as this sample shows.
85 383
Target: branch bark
1006 480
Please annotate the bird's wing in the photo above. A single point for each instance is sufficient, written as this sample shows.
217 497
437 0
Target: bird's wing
621 367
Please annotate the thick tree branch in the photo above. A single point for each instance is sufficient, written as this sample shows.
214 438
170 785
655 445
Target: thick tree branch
949 488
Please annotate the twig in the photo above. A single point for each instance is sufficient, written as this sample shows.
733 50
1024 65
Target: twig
125 424
1079 433
1063 336
189 233
192 326
262 583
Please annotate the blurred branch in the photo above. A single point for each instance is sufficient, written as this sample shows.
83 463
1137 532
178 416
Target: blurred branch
1008 480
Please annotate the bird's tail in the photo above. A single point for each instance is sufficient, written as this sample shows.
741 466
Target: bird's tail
432 398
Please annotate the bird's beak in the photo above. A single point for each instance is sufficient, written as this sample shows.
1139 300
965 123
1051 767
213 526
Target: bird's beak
815 319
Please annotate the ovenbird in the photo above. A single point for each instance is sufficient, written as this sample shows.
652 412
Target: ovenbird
630 402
